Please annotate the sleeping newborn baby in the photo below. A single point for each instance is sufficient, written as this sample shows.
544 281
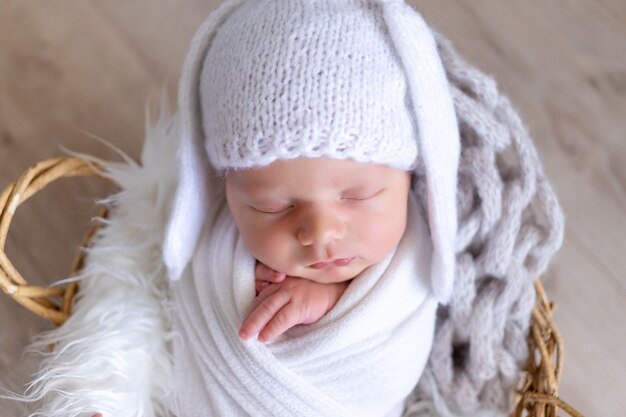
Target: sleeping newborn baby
356 254
296 217
313 224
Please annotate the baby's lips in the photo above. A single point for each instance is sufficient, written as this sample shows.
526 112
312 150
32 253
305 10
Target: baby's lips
336 262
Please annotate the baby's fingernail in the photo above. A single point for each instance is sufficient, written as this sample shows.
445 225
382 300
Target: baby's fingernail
265 338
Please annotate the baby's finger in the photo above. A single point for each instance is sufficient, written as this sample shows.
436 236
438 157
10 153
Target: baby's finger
260 286
263 272
263 313
265 291
283 320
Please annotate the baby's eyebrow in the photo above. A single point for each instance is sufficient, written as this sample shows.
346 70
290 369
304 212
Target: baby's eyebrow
251 181
261 190
257 185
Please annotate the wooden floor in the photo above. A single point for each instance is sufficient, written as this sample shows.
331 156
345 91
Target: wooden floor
71 70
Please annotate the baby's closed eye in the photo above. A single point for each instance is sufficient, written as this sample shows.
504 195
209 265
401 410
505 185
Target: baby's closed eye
361 195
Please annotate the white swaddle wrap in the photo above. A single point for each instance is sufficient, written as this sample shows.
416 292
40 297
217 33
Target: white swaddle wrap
361 359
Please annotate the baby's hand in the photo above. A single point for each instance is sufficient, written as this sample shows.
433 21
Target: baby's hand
291 301
264 276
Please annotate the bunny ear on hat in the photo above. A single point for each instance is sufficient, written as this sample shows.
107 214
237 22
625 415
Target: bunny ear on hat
192 199
438 134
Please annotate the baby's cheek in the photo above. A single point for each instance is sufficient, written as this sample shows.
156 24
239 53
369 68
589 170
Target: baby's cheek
272 249
380 237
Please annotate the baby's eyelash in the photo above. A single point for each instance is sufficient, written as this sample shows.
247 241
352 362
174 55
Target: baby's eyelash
356 198
272 210
363 198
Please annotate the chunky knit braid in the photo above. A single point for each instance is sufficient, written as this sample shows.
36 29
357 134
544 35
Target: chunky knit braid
510 225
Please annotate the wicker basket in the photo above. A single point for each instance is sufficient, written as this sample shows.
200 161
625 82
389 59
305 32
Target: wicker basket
535 397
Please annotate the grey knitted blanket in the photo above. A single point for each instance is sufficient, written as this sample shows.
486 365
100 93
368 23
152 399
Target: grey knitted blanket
510 226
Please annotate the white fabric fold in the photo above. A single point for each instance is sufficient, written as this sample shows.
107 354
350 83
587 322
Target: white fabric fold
361 359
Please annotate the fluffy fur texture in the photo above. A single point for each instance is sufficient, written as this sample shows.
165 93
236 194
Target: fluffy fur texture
112 355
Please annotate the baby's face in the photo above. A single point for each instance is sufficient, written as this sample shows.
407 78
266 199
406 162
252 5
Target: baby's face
319 218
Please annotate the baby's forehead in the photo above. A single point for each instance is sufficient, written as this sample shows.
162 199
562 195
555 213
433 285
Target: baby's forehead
314 172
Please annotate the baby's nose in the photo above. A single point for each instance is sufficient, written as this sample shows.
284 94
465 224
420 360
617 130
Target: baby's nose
320 227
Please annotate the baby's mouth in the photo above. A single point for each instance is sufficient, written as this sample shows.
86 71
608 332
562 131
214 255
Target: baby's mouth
332 263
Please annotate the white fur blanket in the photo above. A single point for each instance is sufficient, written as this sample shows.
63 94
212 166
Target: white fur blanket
113 355
361 359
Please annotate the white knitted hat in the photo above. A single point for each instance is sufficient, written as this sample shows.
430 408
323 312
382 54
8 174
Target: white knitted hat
288 79
280 79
